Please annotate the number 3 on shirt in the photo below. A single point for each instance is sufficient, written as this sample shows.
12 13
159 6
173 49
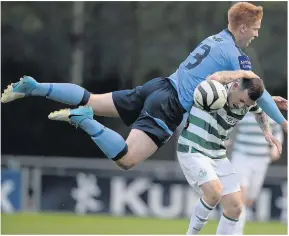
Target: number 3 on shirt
199 57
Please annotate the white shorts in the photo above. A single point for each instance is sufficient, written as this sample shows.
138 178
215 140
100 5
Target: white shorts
199 169
251 172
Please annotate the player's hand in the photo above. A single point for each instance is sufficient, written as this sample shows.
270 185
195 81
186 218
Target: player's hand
281 103
228 143
275 155
285 125
273 141
249 74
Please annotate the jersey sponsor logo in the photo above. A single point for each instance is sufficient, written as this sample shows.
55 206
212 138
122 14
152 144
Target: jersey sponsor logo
217 39
241 111
245 63
229 119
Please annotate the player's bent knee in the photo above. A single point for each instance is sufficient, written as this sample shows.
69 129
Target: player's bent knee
126 160
237 210
123 159
234 210
126 163
215 197
213 192
140 147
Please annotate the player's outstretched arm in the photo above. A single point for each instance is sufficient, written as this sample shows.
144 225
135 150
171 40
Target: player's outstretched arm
269 106
226 77
263 122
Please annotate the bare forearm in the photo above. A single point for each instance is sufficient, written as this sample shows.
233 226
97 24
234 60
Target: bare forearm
226 77
263 122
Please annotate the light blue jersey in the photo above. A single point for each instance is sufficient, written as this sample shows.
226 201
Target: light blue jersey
216 53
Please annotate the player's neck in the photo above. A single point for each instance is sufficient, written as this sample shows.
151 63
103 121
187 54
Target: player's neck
235 35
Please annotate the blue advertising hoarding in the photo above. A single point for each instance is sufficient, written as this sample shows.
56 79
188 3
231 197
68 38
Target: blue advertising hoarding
11 191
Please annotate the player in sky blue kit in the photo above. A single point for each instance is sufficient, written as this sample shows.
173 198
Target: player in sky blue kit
156 109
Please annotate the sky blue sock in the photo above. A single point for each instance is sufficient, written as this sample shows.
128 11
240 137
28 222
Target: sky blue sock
110 142
67 93
268 105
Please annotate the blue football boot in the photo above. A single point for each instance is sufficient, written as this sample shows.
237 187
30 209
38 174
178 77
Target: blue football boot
73 116
21 89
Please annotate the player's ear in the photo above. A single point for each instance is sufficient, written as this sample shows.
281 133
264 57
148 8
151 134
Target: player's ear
243 28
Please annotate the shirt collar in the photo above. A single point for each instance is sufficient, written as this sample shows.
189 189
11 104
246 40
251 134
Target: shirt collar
230 33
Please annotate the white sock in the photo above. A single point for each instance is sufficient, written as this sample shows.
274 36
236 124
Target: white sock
241 223
227 225
199 217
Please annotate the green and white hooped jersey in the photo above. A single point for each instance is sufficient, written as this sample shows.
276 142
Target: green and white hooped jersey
206 132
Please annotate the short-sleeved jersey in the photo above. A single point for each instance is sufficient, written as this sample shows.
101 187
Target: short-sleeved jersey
216 53
206 132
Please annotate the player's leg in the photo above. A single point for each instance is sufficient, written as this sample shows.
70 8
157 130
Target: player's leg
146 135
244 170
103 104
242 218
252 191
251 173
66 93
200 174
232 205
212 193
138 147
125 102
159 118
259 170
231 199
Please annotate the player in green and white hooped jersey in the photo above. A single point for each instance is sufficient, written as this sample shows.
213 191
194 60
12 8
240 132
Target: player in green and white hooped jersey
202 154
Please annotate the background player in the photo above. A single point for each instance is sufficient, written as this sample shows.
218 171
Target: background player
250 157
202 154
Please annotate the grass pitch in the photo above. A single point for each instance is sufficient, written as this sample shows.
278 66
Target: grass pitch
26 223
